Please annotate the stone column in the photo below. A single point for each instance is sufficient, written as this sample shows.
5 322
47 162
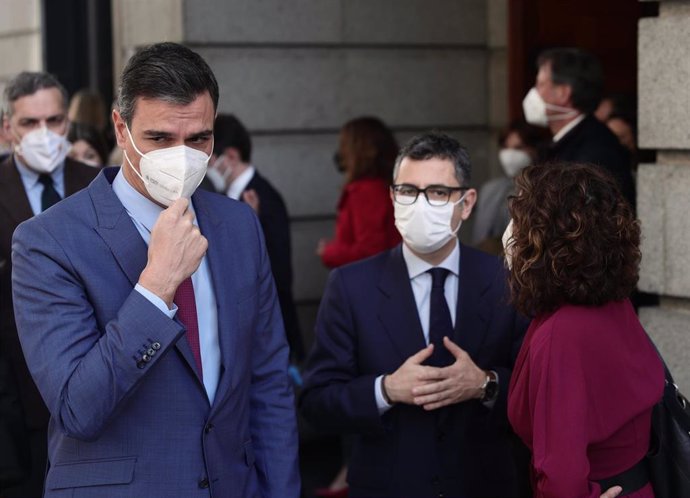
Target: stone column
20 39
664 188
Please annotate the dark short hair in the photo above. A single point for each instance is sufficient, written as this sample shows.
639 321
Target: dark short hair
28 83
165 71
91 135
578 69
367 148
440 146
575 239
230 132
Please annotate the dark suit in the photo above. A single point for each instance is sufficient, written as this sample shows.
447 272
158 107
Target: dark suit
592 142
367 326
275 223
14 209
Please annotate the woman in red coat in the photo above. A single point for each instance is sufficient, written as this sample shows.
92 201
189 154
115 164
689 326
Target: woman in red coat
365 224
587 376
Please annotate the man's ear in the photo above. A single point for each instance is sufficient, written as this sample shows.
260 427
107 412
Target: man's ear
120 129
564 94
233 154
468 204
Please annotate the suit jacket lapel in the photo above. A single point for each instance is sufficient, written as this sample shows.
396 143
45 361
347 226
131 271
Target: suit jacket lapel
14 196
397 307
472 312
219 264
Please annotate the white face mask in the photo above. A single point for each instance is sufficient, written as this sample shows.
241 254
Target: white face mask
535 108
513 161
218 179
508 242
43 149
170 173
426 228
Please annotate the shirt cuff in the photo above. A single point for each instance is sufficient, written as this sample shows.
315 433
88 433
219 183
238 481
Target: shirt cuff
156 301
381 403
490 403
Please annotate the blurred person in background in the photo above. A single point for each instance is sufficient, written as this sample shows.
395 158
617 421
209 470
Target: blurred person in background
88 145
233 174
88 107
364 225
5 142
519 147
37 175
587 376
567 91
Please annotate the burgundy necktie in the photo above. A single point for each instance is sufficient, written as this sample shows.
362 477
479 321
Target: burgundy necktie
186 312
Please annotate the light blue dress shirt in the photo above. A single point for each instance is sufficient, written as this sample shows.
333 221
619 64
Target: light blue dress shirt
144 214
34 189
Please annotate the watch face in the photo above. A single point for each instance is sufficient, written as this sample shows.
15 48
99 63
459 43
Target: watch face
491 390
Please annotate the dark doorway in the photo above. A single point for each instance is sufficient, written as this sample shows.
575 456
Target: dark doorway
607 28
78 44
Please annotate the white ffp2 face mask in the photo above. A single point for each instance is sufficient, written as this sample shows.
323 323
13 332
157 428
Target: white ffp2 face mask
43 149
170 173
513 161
535 108
426 228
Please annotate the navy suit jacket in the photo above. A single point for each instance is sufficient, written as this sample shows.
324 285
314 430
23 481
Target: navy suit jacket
275 222
123 426
367 326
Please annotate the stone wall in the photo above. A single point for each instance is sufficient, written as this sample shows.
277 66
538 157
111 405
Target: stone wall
664 187
294 72
20 38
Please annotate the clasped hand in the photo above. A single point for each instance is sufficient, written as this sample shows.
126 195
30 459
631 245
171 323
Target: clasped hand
434 387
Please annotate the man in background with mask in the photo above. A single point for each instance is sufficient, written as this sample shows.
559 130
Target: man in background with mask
162 360
415 347
34 177
568 89
234 175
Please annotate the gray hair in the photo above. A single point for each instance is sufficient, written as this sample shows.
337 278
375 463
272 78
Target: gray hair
437 145
28 83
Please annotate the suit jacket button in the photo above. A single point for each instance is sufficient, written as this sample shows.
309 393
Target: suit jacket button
156 346
141 364
203 484
146 357
151 352
208 428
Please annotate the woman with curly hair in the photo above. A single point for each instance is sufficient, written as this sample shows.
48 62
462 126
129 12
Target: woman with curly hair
587 376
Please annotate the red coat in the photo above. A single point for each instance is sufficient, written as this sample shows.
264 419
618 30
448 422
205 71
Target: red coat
365 224
581 397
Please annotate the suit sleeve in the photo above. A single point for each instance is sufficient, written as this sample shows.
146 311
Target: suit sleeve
336 396
370 216
83 373
273 423
561 415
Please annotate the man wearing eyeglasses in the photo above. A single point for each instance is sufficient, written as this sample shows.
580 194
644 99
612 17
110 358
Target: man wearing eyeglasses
415 347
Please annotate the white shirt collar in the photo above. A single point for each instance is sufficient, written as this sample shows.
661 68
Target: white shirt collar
240 183
417 266
561 133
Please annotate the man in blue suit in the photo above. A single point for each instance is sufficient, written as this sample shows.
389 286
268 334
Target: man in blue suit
150 321
415 347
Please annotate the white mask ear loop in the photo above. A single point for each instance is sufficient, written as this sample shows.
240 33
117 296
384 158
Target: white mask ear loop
459 201
132 140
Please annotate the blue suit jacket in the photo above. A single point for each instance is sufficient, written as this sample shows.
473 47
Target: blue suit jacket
121 426
367 326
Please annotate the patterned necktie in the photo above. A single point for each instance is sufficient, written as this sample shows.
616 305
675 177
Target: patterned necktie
440 323
49 195
186 312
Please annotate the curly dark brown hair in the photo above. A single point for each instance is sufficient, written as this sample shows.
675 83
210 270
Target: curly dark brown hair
575 239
